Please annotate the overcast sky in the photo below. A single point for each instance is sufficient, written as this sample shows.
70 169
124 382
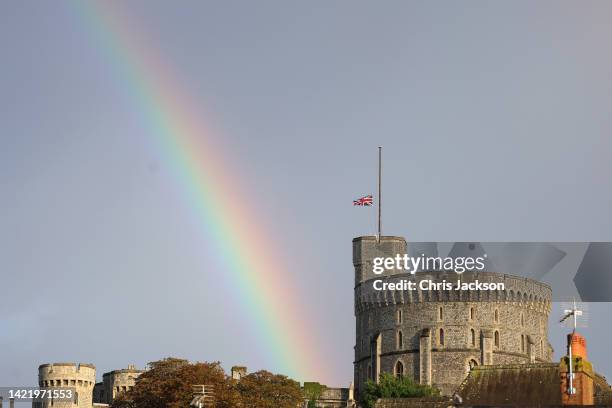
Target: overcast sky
494 117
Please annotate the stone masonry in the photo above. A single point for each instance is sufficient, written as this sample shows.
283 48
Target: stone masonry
436 336
80 377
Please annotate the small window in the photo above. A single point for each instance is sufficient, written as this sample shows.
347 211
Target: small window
441 338
496 341
399 316
400 340
523 343
496 316
522 320
440 313
472 337
471 313
399 369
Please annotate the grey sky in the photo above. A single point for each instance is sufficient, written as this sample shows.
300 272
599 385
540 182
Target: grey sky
495 119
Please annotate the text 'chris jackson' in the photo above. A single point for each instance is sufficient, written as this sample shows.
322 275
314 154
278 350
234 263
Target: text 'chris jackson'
428 284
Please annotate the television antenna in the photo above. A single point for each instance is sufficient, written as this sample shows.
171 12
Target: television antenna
572 311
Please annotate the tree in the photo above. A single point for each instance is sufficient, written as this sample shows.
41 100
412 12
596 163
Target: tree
390 386
168 384
263 389
312 392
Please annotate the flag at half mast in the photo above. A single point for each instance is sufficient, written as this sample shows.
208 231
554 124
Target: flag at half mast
365 201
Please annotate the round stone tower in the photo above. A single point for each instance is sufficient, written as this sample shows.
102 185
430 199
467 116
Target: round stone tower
79 377
436 335
118 381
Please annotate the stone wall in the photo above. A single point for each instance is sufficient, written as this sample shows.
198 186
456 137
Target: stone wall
80 377
466 328
331 398
118 381
413 403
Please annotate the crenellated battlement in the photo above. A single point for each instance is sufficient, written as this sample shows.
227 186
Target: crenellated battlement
79 377
527 292
436 332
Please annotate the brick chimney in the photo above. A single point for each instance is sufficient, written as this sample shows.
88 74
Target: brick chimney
579 390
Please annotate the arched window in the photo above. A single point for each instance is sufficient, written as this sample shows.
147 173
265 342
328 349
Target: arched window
399 369
441 338
496 316
472 337
471 313
399 316
440 314
496 341
400 340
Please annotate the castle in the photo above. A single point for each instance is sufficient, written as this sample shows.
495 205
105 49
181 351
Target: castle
82 378
437 336
488 348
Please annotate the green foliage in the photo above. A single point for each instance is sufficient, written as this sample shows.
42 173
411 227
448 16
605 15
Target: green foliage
390 386
312 392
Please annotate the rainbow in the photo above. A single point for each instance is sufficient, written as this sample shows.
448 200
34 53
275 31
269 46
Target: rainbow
194 153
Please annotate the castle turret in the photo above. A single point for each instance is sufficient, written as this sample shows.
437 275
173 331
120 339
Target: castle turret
238 372
436 334
365 249
119 381
80 378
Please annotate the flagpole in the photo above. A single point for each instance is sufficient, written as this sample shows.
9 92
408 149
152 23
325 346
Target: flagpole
379 191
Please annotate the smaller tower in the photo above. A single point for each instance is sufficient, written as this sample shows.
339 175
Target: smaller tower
238 372
119 381
78 377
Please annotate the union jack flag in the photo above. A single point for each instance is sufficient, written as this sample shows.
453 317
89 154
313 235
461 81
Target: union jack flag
365 201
